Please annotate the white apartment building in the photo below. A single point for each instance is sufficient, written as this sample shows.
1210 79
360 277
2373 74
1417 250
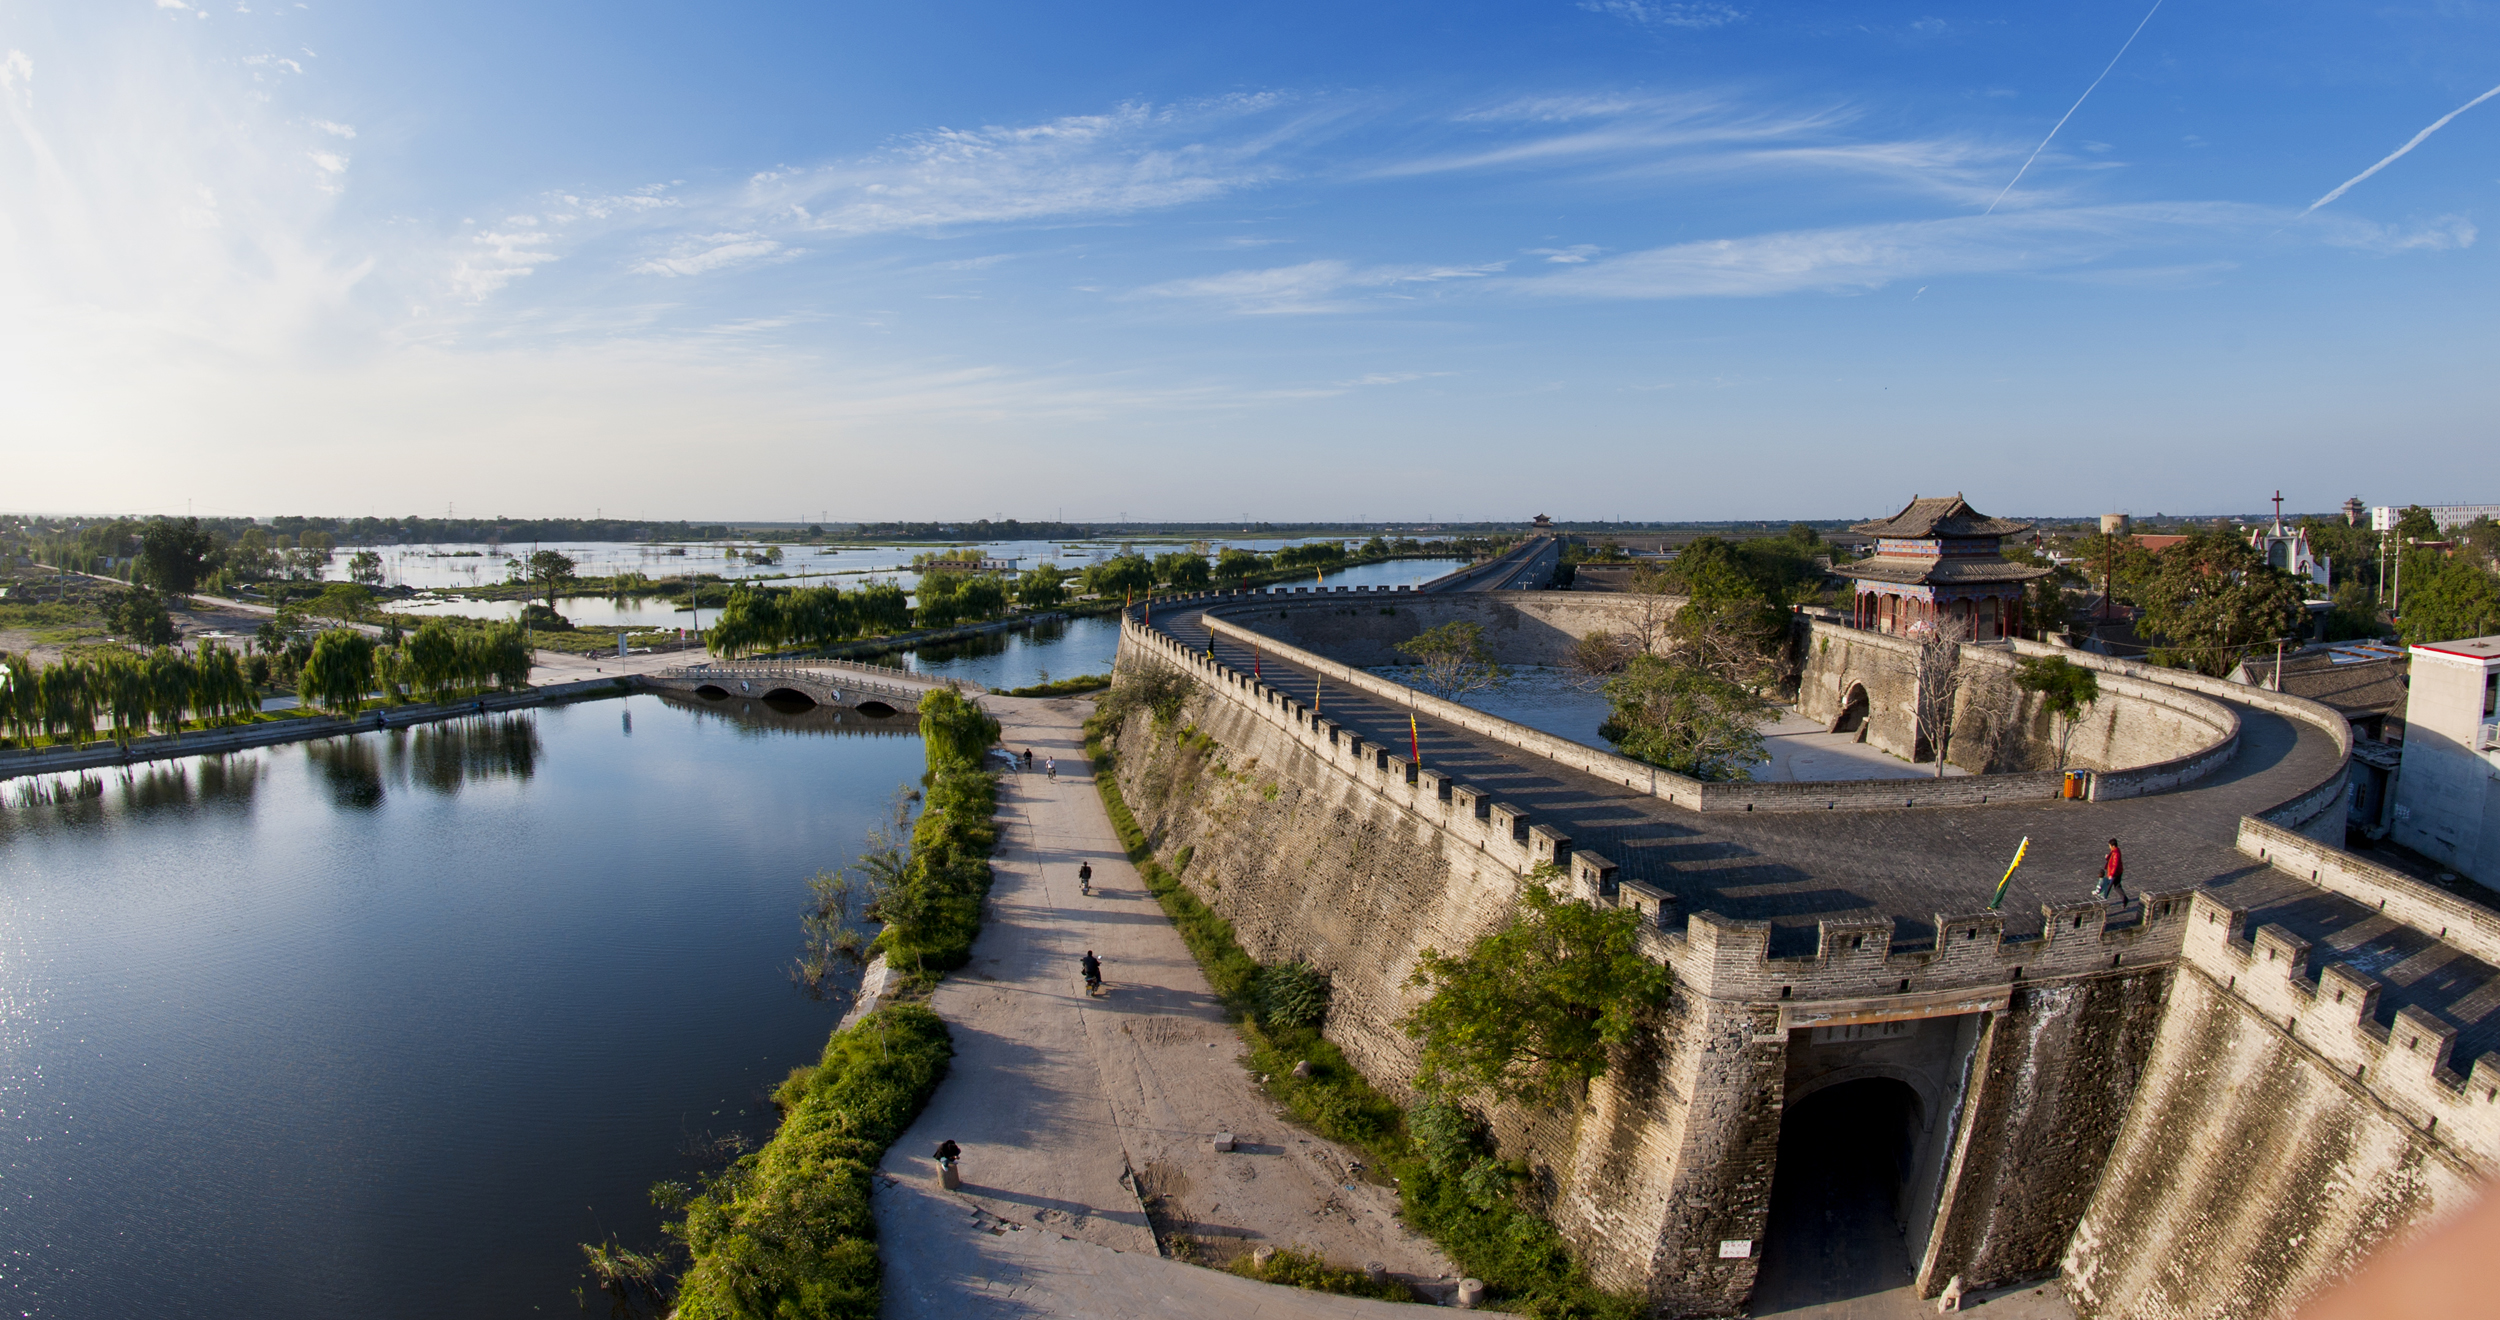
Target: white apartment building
2448 795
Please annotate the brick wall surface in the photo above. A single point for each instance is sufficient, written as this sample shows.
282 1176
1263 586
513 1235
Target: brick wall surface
2247 1174
2056 1074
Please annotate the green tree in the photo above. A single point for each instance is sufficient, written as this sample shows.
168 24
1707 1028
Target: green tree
365 566
1235 563
1120 575
1528 1013
1733 624
2482 538
2447 598
2417 524
938 605
1041 587
1182 570
434 660
2064 688
1453 659
551 571
1375 548
174 556
2211 598
1681 719
139 616
1317 554
983 597
338 675
955 730
346 602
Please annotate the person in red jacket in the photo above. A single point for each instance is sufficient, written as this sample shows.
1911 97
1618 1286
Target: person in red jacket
2113 874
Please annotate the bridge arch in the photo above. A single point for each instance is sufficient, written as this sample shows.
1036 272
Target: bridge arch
711 692
872 706
789 696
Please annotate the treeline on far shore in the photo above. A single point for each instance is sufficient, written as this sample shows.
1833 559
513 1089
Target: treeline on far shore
952 593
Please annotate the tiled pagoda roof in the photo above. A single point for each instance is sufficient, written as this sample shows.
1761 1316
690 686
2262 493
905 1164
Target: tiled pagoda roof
1944 516
1939 572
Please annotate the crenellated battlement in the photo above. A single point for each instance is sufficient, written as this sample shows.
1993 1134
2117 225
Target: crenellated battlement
1720 957
2405 1063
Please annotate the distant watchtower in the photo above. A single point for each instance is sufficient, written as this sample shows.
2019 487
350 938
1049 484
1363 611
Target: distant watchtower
1542 524
1940 559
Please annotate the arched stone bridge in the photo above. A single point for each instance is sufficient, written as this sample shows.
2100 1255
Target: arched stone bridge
820 683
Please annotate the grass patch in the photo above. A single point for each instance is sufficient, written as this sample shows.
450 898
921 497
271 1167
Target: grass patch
1302 1269
1451 1188
1066 687
786 1232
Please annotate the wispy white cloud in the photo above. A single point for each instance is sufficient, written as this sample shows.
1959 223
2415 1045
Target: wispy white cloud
1862 257
335 130
1574 255
1312 287
17 79
711 252
1662 14
1136 158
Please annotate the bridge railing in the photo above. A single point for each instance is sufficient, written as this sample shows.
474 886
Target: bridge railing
887 672
901 697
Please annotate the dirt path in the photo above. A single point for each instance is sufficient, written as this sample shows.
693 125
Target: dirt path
1068 1108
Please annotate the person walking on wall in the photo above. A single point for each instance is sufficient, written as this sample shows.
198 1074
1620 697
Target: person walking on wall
2113 875
1050 767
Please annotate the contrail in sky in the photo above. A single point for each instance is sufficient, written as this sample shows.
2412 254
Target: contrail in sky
2078 105
2436 125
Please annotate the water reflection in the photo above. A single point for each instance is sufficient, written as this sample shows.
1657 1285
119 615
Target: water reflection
758 717
351 768
442 757
38 803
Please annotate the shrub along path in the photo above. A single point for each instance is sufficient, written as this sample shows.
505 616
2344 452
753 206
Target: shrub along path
1071 1110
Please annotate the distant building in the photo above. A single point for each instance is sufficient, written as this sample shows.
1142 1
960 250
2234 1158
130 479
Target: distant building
1940 559
1542 523
2287 547
2449 516
2447 804
2353 512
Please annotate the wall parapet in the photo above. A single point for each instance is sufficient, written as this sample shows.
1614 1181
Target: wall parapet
1676 789
2217 746
2302 808
2406 1065
1718 957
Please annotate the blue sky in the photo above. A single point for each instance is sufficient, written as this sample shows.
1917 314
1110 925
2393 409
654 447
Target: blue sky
1619 258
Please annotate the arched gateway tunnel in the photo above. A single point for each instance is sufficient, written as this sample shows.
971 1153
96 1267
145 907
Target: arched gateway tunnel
2207 1099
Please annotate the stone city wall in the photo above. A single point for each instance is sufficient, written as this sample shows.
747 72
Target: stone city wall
1320 847
2281 1133
2142 736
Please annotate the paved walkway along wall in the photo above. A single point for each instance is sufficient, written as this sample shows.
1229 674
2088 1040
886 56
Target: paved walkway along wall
2261 975
1070 1109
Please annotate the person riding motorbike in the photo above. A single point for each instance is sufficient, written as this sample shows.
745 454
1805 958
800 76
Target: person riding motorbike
1092 968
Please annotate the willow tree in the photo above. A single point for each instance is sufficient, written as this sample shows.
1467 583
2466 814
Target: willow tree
338 676
957 731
